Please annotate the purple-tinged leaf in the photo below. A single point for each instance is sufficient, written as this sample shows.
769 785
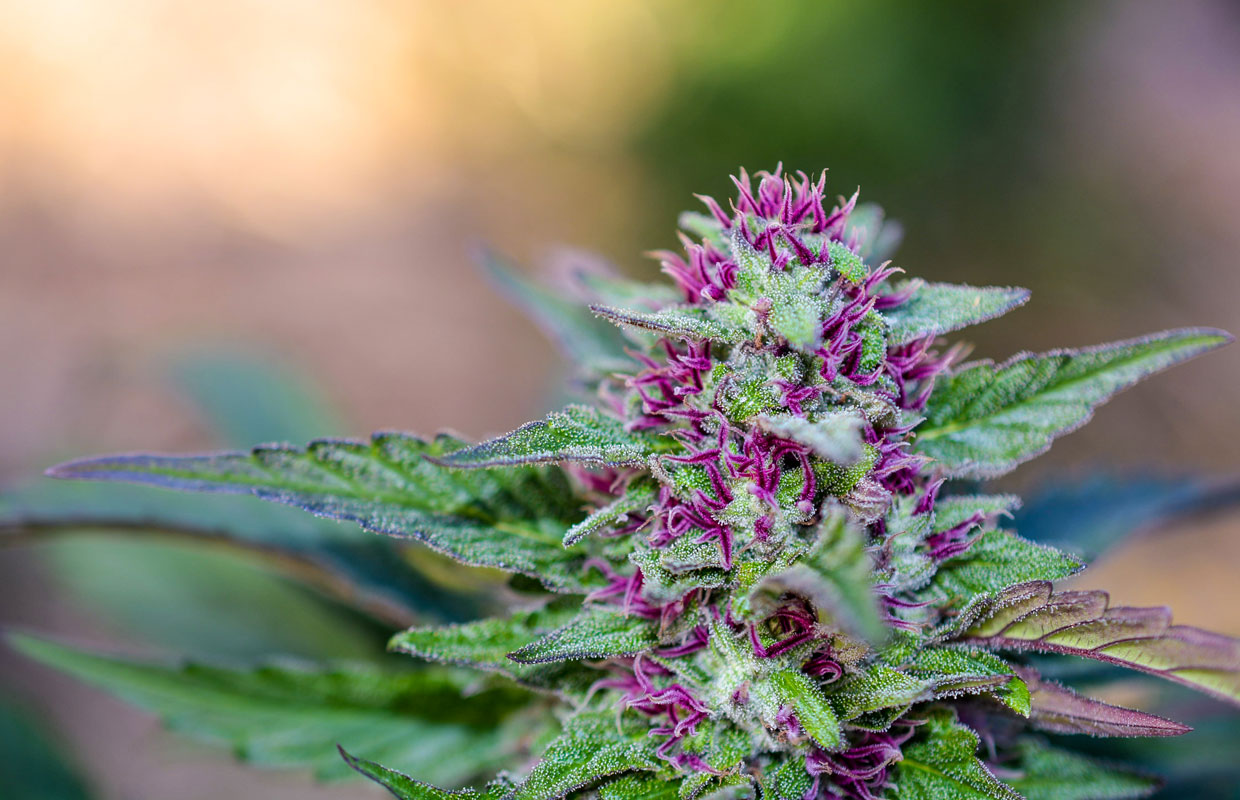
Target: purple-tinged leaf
1031 616
1058 709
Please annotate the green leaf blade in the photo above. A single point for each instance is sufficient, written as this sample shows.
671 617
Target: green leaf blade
938 308
577 434
985 420
388 486
485 645
594 746
597 632
940 764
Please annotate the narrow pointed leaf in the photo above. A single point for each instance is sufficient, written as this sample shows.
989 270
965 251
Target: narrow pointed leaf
594 745
938 308
387 486
985 420
636 499
1031 617
578 433
403 787
676 321
485 645
281 716
586 340
812 710
955 510
879 688
999 559
956 671
940 764
1047 773
597 632
1058 709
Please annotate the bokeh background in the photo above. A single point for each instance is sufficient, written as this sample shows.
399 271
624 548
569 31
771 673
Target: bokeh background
301 182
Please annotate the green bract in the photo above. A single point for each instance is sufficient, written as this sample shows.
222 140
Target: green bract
745 564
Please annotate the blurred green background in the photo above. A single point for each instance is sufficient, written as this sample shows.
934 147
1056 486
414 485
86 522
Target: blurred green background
303 180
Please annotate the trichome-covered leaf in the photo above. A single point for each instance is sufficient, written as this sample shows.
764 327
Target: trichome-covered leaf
678 322
985 420
812 710
940 764
1058 709
999 559
597 632
593 746
485 644
511 519
403 787
578 433
938 308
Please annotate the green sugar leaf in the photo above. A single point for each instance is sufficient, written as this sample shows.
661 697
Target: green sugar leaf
284 716
403 787
878 688
1048 773
1032 617
997 560
958 671
679 322
952 511
938 308
636 499
985 420
578 433
511 519
939 763
485 644
593 746
817 718
639 786
788 779
597 632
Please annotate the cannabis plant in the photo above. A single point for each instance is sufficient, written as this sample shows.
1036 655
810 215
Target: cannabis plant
755 561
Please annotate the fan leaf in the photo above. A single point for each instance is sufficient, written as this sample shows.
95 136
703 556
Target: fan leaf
985 420
511 519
